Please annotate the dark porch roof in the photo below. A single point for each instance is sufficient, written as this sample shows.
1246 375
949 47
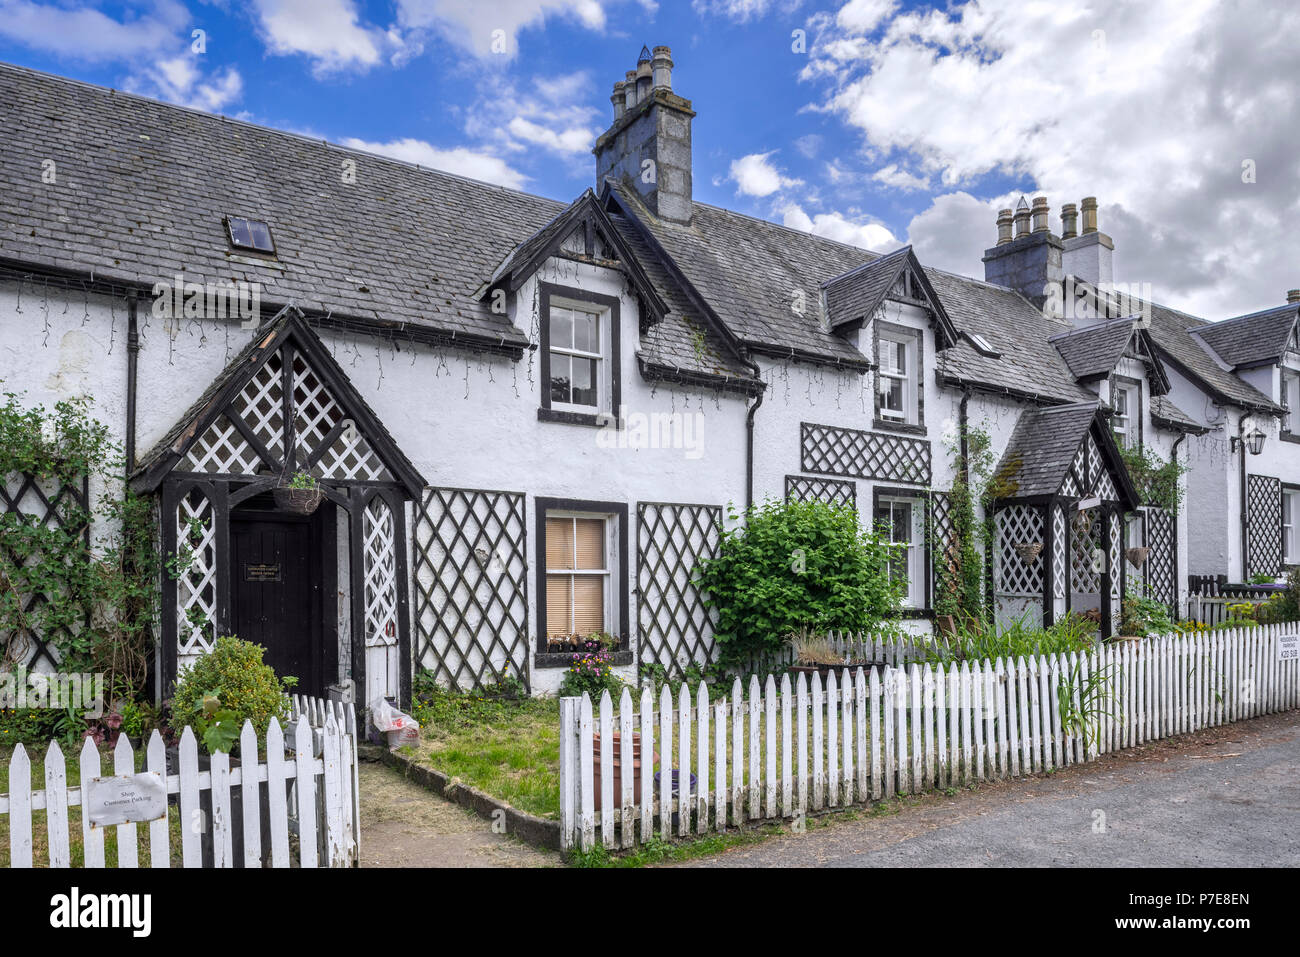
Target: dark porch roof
1042 450
287 325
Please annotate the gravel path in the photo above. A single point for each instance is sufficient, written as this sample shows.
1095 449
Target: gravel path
1227 797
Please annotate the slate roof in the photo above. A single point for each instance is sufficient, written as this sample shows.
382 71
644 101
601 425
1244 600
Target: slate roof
1027 363
1043 445
1171 334
749 271
855 295
1164 412
1254 338
1093 351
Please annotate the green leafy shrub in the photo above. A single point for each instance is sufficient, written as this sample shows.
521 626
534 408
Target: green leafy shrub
1142 616
1157 481
592 672
795 565
244 688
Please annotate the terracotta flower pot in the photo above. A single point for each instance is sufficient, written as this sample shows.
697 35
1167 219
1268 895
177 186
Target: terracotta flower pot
617 747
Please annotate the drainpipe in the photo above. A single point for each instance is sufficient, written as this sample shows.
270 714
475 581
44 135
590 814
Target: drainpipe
1241 450
132 362
749 441
961 425
1178 586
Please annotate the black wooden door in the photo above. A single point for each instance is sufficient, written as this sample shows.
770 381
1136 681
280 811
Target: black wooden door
276 593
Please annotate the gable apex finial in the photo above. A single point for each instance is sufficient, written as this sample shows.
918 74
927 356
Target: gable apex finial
644 56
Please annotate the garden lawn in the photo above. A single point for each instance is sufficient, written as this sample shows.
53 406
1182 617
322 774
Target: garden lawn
40 838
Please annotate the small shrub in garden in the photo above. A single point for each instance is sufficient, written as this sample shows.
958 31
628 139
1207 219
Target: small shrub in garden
229 685
795 565
592 671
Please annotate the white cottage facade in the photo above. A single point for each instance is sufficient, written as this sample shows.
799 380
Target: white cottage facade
531 419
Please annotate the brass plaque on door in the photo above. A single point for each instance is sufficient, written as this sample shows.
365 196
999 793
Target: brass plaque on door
261 573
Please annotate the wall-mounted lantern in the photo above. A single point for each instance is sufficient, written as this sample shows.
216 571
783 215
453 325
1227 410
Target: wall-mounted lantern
1253 441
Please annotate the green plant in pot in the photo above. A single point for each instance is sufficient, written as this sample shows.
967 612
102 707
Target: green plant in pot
300 494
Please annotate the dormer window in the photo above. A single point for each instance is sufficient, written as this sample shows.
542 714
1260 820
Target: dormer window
1126 403
250 234
1291 399
579 351
898 376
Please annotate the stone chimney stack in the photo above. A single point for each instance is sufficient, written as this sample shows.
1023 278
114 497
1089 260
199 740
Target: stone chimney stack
1069 221
1090 256
1293 295
1029 262
647 148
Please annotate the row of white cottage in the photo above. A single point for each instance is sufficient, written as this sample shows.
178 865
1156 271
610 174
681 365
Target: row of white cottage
531 418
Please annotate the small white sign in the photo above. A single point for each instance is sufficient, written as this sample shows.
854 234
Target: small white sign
126 799
1288 648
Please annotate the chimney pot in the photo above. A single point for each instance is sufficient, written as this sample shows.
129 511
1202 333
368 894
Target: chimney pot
1089 207
644 80
661 65
1004 226
1069 221
1293 295
1022 218
619 99
1040 214
629 88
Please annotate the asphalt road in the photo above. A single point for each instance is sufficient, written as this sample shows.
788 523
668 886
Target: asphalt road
1223 797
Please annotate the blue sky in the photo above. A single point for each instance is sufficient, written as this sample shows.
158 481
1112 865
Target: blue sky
881 123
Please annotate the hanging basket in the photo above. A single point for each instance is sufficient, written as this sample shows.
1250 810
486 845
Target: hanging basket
299 501
1137 555
1028 551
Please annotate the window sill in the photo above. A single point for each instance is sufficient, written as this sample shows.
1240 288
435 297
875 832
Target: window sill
889 425
563 659
590 419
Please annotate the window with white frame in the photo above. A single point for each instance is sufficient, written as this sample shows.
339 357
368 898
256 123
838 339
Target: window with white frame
1291 399
899 521
898 375
1291 526
578 357
579 596
1127 405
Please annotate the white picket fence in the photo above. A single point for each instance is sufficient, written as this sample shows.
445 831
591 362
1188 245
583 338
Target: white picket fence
310 786
889 731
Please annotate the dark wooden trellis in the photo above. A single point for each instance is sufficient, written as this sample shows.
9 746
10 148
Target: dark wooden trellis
1160 571
1263 525
871 455
53 504
675 626
470 550
803 488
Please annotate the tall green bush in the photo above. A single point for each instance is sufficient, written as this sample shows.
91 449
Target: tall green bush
795 565
234 673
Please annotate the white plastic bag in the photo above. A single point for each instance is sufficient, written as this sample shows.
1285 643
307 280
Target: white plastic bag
400 727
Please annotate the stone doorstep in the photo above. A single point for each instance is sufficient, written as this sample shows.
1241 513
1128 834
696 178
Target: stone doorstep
534 830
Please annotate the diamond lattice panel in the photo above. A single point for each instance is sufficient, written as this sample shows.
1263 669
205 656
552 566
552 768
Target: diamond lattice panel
943 543
676 628
379 573
1019 528
1085 537
1135 536
872 455
261 405
196 587
40 501
1058 552
801 488
471 586
222 450
1160 526
1264 524
1116 559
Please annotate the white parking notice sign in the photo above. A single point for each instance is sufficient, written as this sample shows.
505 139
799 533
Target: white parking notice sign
1288 647
126 799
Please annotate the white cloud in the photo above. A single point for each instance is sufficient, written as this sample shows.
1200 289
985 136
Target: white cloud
84 33
863 16
840 228
755 175
808 145
742 11
571 140
330 32
180 80
550 112
492 29
1151 107
460 160
953 233
893 175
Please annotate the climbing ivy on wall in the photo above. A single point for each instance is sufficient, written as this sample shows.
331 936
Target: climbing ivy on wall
1158 480
96 605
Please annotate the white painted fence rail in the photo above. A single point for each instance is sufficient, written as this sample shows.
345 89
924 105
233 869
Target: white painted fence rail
305 787
884 731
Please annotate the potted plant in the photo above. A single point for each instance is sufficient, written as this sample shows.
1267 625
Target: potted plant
301 494
814 654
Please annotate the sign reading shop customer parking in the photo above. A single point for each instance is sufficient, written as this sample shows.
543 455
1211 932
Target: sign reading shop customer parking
126 799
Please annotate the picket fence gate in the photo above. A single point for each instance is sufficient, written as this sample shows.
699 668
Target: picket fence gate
891 731
310 782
